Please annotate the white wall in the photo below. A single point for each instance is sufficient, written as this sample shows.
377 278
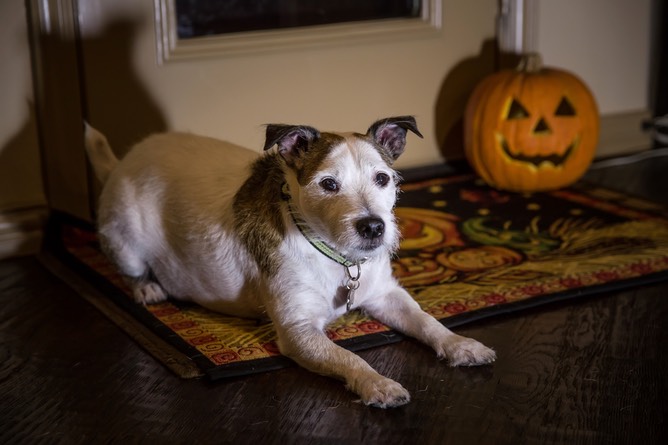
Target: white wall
20 174
333 88
605 42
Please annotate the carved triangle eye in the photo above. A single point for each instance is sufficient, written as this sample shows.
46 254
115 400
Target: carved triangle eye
516 110
565 108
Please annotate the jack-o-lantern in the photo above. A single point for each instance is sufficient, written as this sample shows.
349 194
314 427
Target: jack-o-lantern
531 129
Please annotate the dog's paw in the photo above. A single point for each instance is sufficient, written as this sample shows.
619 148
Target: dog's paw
463 351
148 292
382 392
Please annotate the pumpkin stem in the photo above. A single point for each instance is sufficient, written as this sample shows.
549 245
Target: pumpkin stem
530 63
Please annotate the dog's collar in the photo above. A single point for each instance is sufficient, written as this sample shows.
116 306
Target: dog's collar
352 281
320 245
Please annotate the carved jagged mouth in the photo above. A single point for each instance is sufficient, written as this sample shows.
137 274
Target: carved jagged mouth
555 160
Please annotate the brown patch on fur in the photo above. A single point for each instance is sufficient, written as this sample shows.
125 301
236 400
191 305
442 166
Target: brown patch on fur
257 212
316 154
257 204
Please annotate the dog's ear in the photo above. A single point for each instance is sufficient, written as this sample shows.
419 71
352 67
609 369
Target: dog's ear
292 140
390 133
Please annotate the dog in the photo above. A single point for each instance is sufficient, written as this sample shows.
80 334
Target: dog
300 235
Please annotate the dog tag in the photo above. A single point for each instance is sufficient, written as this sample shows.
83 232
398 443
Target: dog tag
351 286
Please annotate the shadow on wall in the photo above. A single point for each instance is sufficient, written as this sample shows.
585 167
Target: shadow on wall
20 169
116 101
454 94
93 78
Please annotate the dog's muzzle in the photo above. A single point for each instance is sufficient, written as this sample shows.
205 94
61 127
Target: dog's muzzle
371 230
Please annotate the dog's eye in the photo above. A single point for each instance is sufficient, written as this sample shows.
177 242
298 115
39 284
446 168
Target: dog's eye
382 179
330 185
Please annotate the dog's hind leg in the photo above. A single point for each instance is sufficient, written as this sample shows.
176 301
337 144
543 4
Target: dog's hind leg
134 268
310 348
146 290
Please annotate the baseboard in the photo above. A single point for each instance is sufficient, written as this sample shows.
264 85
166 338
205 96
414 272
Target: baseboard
622 133
22 231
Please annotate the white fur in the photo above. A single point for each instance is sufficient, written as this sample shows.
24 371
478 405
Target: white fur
167 206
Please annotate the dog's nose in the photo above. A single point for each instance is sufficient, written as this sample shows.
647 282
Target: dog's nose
370 228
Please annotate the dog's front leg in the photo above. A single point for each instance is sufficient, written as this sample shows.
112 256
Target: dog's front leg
401 312
309 347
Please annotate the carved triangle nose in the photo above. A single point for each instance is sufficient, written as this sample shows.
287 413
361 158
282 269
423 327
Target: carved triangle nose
542 127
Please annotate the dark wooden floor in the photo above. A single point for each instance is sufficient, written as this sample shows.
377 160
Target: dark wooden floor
591 371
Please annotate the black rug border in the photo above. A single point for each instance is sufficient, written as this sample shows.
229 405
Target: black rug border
54 243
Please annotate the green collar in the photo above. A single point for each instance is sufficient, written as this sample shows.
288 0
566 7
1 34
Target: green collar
305 230
352 281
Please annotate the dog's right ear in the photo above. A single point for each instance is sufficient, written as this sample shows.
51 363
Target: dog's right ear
292 140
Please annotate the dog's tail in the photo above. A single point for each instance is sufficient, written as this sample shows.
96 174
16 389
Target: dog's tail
100 155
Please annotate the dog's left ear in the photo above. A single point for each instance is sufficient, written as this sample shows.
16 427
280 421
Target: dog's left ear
390 133
292 140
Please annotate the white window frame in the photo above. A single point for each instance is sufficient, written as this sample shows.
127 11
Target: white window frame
172 49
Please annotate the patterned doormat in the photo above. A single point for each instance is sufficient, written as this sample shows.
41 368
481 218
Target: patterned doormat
468 252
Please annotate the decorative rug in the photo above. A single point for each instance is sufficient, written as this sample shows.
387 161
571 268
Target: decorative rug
468 252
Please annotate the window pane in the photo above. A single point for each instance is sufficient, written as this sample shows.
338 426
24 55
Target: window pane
197 18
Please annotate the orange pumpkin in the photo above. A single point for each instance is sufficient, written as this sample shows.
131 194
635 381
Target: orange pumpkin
531 129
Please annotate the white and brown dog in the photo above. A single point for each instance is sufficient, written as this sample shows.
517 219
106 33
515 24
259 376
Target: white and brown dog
300 235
